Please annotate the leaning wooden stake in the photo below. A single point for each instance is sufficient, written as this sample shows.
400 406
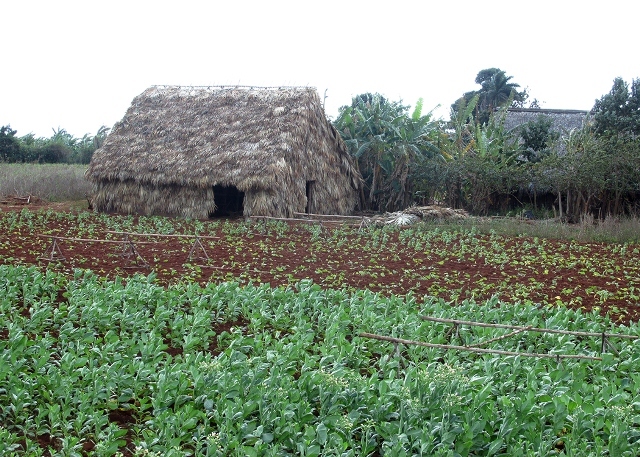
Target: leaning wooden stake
130 253
198 247
479 350
53 252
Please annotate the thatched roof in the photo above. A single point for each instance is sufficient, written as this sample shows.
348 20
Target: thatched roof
206 136
563 120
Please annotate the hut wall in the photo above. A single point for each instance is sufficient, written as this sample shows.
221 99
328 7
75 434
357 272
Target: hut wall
333 191
322 157
334 197
278 202
130 197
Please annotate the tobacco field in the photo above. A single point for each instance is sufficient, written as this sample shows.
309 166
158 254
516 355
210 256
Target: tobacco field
259 349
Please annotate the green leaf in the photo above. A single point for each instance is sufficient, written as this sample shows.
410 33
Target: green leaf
321 433
249 451
495 447
313 451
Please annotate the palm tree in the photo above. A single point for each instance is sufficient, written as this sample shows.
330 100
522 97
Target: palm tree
497 90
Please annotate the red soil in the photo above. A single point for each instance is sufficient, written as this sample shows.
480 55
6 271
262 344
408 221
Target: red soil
262 256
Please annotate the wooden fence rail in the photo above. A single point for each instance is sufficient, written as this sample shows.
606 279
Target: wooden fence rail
334 216
164 235
54 253
476 349
528 329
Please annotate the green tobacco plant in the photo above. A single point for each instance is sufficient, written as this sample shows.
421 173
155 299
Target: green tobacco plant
119 361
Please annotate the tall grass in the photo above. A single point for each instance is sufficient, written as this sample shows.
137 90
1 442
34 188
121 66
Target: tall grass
610 230
53 182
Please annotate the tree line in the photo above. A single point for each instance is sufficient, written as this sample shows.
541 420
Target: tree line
474 162
61 147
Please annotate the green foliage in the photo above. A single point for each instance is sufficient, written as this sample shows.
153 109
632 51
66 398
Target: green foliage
594 175
62 147
53 182
493 140
537 138
367 98
618 112
481 170
9 145
461 127
591 171
388 144
288 373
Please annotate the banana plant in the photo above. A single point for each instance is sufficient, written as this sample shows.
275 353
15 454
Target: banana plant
494 141
387 143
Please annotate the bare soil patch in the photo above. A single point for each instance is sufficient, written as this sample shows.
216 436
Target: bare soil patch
587 276
33 202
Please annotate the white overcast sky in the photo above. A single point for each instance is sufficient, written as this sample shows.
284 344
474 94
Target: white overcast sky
77 65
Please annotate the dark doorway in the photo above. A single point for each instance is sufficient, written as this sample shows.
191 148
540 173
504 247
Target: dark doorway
310 209
229 201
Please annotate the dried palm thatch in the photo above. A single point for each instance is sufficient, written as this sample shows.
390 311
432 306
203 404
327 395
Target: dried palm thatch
175 143
435 212
416 214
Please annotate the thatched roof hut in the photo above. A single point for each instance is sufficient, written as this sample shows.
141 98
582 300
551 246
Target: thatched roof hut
563 120
201 151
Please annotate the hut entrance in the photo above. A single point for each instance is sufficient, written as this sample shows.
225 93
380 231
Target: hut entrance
229 201
310 209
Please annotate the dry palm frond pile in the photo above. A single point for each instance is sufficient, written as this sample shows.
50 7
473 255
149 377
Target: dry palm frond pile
416 214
